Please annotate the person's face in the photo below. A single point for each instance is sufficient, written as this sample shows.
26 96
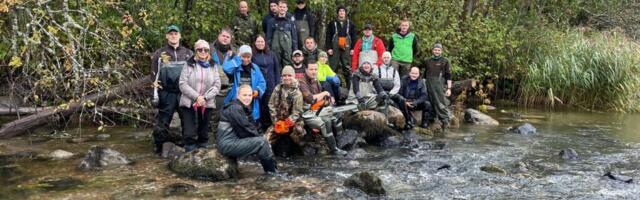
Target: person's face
245 96
414 73
282 8
404 27
260 43
312 71
310 44
301 6
322 59
246 58
386 59
287 79
202 53
244 8
173 37
224 38
437 51
273 7
298 58
366 67
342 14
367 32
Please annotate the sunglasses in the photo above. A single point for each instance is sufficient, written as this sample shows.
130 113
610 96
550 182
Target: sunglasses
202 50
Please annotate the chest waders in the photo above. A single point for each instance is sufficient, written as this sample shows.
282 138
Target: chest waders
437 99
340 61
368 92
281 44
303 30
168 100
386 83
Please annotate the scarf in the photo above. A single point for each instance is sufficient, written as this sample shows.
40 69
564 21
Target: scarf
367 43
204 64
436 57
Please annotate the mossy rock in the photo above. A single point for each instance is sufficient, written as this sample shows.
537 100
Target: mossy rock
205 164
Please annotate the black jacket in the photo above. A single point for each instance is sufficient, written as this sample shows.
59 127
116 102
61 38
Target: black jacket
175 54
405 91
360 76
342 32
240 119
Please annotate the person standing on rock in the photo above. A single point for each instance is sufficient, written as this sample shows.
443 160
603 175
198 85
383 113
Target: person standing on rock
244 26
403 47
238 136
285 108
389 77
270 68
199 84
244 72
166 66
312 93
413 96
437 70
369 48
340 38
366 88
305 22
282 36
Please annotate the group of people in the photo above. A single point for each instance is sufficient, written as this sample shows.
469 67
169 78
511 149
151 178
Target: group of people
280 79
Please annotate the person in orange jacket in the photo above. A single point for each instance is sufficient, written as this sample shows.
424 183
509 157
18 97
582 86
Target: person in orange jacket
369 48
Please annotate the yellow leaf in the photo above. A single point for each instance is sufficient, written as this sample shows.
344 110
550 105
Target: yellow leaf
16 62
100 128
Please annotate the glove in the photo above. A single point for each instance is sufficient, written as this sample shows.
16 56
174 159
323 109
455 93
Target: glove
289 122
383 95
280 127
255 93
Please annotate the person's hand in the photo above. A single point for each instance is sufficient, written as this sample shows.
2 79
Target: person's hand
351 52
330 52
156 84
448 92
229 53
289 122
255 94
333 101
200 101
408 104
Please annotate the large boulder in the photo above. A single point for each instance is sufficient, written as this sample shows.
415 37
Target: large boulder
372 123
478 118
524 129
205 164
100 157
171 151
394 116
349 139
568 154
367 182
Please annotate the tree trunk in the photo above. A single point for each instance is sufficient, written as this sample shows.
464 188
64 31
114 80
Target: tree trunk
22 125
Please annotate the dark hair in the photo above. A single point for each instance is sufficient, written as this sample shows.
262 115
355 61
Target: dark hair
312 61
341 8
253 44
310 38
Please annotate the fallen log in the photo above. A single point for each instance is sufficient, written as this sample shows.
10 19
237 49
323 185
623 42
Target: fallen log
22 125
103 109
22 110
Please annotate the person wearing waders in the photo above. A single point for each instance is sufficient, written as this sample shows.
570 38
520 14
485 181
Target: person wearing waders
310 50
273 11
437 70
340 39
282 35
243 72
369 48
244 26
305 22
238 137
403 46
312 92
270 68
166 66
199 84
413 96
366 90
389 77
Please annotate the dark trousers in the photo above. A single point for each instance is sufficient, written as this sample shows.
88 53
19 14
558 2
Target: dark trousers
408 116
166 107
195 125
265 119
334 89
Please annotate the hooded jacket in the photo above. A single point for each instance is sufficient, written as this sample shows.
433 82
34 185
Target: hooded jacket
377 45
233 68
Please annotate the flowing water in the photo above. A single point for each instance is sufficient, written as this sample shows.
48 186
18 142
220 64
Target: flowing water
531 164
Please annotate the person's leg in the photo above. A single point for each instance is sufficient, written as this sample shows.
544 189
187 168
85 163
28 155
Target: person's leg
427 116
345 65
249 146
204 123
166 107
189 128
330 138
265 119
408 116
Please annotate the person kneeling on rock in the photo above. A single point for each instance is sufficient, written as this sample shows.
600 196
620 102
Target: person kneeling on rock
366 88
238 135
285 107
413 96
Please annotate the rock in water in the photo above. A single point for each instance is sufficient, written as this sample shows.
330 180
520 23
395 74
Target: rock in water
348 139
493 169
178 189
58 184
445 166
367 182
60 155
100 157
393 141
372 123
171 151
103 137
478 118
524 129
357 153
568 154
394 116
617 177
205 164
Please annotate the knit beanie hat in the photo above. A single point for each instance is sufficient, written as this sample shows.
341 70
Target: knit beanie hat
288 70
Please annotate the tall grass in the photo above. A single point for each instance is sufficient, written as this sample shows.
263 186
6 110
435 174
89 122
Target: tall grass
594 71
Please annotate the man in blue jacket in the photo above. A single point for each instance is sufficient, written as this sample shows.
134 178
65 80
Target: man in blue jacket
243 71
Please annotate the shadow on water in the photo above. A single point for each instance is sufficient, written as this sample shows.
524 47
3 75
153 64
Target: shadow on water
515 166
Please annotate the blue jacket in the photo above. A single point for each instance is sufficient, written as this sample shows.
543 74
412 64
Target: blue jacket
233 67
270 67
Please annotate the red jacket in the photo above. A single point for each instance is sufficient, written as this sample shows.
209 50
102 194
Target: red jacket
377 45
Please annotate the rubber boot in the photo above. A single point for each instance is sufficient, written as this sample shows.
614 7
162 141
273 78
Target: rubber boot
269 165
445 124
331 141
190 147
426 118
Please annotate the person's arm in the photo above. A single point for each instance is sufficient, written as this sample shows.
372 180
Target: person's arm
355 86
396 83
294 34
154 63
183 84
377 86
311 19
415 46
353 34
231 65
380 49
269 33
296 108
391 45
276 67
239 119
355 58
329 36
423 93
447 76
215 88
306 93
272 105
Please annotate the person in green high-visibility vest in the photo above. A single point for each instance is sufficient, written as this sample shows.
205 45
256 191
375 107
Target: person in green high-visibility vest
403 46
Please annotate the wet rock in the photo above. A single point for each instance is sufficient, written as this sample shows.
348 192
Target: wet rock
353 163
524 129
60 155
60 183
367 182
205 164
171 151
8 172
78 140
348 139
393 141
468 139
24 155
372 123
493 169
478 118
357 153
101 157
445 166
139 135
569 154
103 137
409 139
394 116
521 167
435 145
618 177
178 189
